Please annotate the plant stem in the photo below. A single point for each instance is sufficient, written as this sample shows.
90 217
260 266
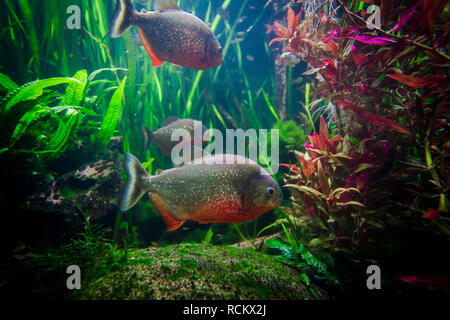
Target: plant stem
307 105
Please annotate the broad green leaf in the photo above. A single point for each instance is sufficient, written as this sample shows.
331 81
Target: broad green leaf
354 203
364 166
96 72
32 90
23 124
315 242
339 191
284 249
7 83
111 117
65 130
208 235
307 190
288 236
375 223
276 223
83 110
74 92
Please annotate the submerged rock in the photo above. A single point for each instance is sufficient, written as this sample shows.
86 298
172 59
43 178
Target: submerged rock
201 271
89 192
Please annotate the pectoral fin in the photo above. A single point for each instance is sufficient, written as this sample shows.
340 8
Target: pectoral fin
156 61
171 223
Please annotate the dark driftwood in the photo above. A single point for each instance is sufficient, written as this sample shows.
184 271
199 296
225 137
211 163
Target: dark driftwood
90 193
256 243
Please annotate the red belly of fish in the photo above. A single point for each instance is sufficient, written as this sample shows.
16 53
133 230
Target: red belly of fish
186 57
223 211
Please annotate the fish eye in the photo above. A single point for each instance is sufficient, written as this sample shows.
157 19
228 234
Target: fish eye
220 50
270 191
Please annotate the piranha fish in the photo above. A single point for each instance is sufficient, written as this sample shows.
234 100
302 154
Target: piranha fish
169 34
163 136
289 59
216 189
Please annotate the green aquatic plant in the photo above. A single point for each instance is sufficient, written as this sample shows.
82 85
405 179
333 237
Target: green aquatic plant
111 117
208 236
18 102
289 249
151 94
92 251
40 121
301 259
74 94
293 136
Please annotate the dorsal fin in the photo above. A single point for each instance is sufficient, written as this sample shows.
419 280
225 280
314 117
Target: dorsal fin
165 4
147 135
169 120
193 154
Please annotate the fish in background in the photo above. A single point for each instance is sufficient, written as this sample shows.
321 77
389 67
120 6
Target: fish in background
218 189
289 58
163 136
169 34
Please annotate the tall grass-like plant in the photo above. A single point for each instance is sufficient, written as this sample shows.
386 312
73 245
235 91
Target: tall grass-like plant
87 113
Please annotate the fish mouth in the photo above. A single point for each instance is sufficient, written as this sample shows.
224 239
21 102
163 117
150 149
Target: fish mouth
277 202
218 61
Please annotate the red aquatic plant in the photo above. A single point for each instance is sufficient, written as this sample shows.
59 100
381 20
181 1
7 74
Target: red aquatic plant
285 33
332 179
386 89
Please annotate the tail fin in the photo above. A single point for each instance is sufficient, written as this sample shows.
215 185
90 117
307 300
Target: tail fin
135 187
148 135
123 18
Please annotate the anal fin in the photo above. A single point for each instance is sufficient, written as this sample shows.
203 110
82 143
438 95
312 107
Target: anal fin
156 61
171 223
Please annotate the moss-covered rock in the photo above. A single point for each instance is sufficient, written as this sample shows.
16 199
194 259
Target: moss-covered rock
200 271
